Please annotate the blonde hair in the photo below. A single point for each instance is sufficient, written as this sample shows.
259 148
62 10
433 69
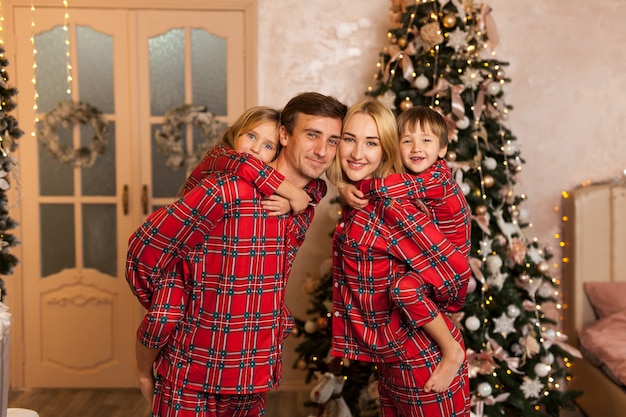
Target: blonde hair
427 118
388 134
251 118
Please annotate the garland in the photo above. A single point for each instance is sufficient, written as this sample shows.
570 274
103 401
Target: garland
169 137
70 113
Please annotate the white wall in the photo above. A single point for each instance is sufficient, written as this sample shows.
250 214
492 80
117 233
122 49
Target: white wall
568 70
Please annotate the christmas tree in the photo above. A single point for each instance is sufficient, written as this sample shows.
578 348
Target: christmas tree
9 134
441 55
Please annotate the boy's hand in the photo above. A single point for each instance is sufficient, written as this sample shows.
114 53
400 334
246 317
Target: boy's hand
352 196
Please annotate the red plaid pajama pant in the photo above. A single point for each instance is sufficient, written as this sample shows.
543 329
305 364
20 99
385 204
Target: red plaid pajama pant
174 401
400 387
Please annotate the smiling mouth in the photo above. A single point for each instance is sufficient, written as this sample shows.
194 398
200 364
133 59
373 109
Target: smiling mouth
356 165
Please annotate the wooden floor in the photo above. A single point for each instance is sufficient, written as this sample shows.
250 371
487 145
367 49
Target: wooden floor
130 403
81 402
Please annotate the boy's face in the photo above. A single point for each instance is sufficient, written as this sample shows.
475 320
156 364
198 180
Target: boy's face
420 149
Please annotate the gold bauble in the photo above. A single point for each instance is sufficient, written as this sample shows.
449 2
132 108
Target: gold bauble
451 156
488 181
322 323
301 364
543 267
402 42
449 21
480 210
406 104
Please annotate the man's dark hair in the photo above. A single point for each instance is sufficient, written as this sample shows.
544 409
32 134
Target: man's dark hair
314 104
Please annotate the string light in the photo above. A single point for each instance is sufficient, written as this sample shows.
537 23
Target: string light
66 17
34 79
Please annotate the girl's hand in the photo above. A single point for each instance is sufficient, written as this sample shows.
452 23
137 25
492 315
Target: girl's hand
352 196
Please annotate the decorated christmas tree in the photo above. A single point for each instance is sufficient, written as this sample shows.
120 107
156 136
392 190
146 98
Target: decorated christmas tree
9 134
441 55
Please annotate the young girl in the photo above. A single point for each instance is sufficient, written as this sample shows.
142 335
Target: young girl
377 251
255 132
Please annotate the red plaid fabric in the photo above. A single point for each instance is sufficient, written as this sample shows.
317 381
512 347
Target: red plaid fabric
172 401
381 254
222 158
220 316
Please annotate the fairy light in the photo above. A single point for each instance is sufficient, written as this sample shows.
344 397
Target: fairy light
34 79
66 17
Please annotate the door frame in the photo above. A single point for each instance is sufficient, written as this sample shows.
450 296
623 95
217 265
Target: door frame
15 282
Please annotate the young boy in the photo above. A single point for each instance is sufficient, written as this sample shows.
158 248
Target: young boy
423 144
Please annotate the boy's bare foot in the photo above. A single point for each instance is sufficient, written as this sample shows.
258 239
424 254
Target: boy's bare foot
447 369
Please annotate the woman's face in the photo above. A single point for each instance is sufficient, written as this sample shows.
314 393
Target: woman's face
360 152
260 141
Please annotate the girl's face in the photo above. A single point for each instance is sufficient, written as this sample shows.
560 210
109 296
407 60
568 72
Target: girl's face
419 149
360 153
261 141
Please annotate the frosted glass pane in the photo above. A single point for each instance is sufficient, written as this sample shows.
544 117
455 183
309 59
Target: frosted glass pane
51 71
57 238
99 179
167 71
55 178
208 66
100 238
95 68
165 181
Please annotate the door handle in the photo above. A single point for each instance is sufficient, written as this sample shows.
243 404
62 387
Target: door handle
125 200
144 199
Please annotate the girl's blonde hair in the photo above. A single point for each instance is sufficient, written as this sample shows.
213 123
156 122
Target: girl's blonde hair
388 133
251 118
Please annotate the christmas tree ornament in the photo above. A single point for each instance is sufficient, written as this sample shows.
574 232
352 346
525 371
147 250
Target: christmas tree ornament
490 163
523 279
548 358
463 123
488 181
513 311
321 323
451 156
310 327
509 149
546 290
406 104
449 21
480 210
484 389
543 267
493 88
472 323
542 369
422 82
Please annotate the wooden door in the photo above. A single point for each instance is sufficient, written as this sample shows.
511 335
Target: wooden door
77 314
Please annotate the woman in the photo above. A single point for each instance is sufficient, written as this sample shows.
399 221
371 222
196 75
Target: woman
372 249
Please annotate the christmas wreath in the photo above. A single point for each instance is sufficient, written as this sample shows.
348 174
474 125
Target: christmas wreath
169 136
66 114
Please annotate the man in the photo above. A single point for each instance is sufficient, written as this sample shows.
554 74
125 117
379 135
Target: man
214 331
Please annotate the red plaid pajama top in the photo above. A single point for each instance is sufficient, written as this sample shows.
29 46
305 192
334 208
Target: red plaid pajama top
221 318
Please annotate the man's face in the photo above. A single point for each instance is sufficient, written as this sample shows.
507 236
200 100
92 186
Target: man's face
311 148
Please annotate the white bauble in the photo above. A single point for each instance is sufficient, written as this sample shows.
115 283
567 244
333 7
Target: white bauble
546 290
472 323
422 82
513 311
484 389
490 163
463 123
465 188
548 359
494 88
509 149
542 369
310 327
493 263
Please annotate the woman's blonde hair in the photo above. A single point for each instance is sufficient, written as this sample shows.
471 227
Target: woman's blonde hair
251 118
388 133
